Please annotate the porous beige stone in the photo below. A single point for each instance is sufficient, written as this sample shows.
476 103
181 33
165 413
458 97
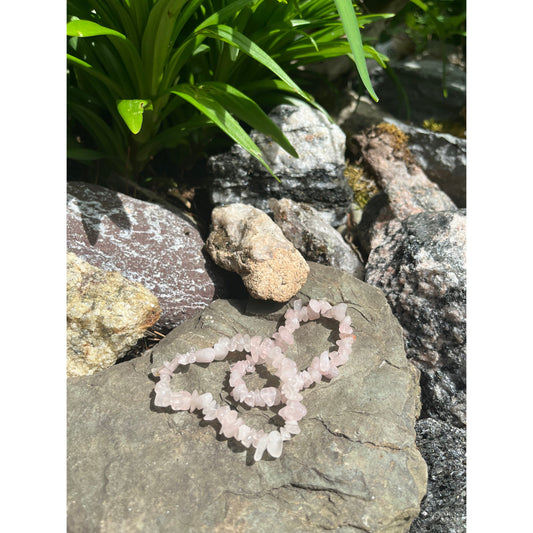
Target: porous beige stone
245 240
106 315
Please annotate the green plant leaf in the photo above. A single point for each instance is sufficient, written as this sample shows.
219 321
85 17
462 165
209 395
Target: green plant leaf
86 28
246 109
235 38
349 21
132 112
207 105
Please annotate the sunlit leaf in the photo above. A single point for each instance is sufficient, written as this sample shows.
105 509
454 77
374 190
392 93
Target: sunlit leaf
132 111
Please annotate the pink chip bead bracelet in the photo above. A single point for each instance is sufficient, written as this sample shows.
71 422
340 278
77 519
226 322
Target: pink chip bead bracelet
270 352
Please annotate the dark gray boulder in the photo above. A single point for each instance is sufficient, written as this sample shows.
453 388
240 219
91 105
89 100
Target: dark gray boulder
421 81
443 446
354 467
316 177
146 243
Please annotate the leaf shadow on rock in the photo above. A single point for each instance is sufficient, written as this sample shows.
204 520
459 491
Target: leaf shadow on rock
91 218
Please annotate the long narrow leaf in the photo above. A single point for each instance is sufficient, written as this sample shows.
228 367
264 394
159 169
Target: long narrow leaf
349 21
235 38
96 73
87 28
221 117
246 109
156 41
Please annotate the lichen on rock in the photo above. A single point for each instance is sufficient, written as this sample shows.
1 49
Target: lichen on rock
106 315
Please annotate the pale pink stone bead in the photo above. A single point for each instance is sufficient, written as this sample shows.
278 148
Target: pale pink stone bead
245 435
258 399
163 371
232 347
204 400
297 305
290 393
293 411
162 399
290 313
210 406
340 357
230 424
324 307
313 310
232 430
235 379
227 416
274 444
187 358
307 379
324 362
206 355
285 435
239 391
256 435
287 370
269 395
292 427
302 315
239 367
339 311
286 335
255 348
312 314
332 372
246 342
221 348
210 413
260 448
221 412
315 374
345 343
163 384
194 400
296 382
249 399
180 401
344 327
292 324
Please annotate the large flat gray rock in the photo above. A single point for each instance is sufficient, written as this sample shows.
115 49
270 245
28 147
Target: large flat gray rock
133 467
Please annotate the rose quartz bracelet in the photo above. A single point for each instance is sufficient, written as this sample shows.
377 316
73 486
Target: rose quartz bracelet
271 352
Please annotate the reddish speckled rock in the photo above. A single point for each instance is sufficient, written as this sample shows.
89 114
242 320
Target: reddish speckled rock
419 264
146 243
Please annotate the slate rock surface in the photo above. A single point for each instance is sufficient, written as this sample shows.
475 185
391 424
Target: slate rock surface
443 446
316 177
314 238
354 467
147 244
246 241
106 315
420 265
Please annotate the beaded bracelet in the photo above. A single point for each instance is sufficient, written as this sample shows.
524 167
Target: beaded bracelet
268 351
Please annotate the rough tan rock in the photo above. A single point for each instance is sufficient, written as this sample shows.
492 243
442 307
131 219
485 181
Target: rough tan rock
106 315
246 241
